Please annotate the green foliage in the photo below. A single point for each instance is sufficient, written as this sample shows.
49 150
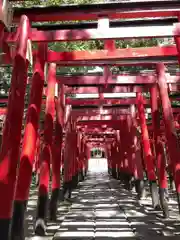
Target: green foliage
82 45
51 2
76 46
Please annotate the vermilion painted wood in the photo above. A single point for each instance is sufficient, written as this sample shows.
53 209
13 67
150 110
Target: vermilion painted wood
110 89
80 57
126 146
57 143
130 56
110 101
114 155
9 153
156 125
148 157
95 112
30 134
48 132
143 80
96 34
161 166
115 124
37 155
170 130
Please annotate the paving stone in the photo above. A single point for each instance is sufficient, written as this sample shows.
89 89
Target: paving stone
102 209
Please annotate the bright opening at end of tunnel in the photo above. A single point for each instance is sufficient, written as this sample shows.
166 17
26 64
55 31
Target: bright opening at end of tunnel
97 162
97 165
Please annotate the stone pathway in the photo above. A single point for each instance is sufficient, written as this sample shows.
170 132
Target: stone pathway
102 209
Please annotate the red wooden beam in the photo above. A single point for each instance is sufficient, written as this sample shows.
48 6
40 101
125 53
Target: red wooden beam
99 122
5 100
109 89
96 117
85 129
115 124
106 101
99 140
102 57
109 101
93 102
3 111
95 34
176 110
174 88
95 112
105 133
131 56
116 89
108 112
115 80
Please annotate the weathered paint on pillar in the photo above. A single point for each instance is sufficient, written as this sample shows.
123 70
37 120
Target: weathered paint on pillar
124 149
145 138
68 157
170 130
37 156
80 154
29 145
56 152
79 157
113 158
138 167
148 157
126 140
120 155
129 137
159 151
46 152
9 153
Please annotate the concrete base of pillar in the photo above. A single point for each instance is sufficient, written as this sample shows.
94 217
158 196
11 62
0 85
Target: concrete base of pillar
128 183
178 200
4 228
67 188
40 227
75 180
154 194
17 227
164 202
85 172
121 176
42 207
114 173
140 190
80 176
61 196
53 204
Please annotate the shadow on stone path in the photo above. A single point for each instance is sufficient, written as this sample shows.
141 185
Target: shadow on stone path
102 209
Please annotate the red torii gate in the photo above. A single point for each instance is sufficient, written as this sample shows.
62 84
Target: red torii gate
121 163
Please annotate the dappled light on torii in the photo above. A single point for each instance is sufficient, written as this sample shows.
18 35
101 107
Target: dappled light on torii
89 119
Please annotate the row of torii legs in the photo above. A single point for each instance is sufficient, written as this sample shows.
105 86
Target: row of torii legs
124 156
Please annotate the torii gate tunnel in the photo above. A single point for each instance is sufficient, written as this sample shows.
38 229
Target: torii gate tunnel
134 141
